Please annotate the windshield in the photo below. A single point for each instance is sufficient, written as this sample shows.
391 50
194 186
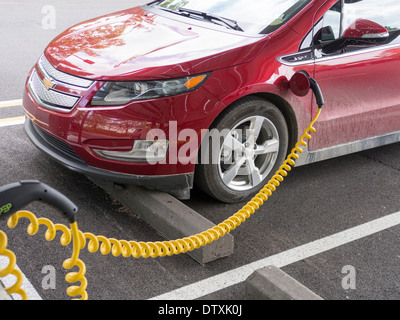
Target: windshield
250 16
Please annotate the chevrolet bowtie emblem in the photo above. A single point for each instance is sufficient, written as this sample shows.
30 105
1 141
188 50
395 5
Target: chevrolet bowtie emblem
48 84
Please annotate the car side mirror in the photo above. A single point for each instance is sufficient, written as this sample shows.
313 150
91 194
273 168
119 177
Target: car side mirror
361 32
366 31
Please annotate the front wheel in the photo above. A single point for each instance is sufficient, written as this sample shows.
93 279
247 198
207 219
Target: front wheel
242 151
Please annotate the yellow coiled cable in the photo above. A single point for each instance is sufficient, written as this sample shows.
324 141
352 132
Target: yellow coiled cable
67 236
10 268
148 249
161 249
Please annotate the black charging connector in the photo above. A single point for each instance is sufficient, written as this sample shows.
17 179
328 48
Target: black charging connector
15 196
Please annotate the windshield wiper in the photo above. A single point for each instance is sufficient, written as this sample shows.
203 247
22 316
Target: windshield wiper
154 2
232 24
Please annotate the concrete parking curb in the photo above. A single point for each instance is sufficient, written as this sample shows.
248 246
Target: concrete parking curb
271 283
171 218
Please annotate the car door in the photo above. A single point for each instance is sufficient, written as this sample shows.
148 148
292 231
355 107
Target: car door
360 83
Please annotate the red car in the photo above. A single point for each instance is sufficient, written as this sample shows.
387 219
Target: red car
179 92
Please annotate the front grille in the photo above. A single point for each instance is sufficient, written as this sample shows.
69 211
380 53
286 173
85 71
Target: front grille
52 98
59 145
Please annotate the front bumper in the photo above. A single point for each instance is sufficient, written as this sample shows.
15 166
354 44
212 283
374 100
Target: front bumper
66 156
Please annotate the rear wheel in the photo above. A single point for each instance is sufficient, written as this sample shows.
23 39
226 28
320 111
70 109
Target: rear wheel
243 149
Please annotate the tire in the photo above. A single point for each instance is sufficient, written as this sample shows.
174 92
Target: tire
242 150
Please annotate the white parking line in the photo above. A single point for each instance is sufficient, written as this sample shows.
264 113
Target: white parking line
8 281
235 276
12 121
7 122
11 103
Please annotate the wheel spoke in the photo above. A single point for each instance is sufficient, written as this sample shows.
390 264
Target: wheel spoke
270 146
256 124
233 171
232 144
255 175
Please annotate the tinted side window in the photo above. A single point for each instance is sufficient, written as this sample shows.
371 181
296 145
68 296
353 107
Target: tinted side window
327 29
384 12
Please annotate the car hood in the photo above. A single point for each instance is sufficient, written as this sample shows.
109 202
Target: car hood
137 44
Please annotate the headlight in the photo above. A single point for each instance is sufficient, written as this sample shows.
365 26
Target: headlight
122 92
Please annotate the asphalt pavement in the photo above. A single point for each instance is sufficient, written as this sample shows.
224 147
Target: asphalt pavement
315 202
